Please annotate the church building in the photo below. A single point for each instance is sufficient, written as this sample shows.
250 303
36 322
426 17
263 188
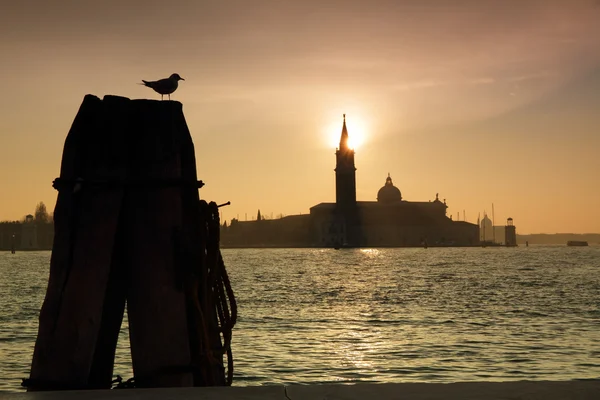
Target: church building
388 221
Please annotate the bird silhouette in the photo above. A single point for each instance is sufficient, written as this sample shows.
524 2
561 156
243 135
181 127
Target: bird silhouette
164 86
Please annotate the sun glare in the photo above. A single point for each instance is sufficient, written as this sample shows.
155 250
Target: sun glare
356 131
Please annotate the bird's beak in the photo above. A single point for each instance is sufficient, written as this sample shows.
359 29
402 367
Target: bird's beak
181 78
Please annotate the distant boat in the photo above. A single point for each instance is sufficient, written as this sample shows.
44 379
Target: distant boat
577 243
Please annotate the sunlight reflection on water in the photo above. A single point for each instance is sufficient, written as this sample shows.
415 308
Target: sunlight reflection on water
375 315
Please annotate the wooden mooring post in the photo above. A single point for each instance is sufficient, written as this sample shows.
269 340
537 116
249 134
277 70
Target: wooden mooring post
130 229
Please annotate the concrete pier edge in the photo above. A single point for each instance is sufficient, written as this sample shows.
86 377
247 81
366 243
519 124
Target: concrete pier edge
514 390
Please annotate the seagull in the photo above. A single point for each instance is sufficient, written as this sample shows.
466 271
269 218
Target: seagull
164 86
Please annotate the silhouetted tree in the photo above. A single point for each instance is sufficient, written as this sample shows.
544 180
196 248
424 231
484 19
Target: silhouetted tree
258 216
41 214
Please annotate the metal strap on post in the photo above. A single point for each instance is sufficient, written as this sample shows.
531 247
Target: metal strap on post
77 183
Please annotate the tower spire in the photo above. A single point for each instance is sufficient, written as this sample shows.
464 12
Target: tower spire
344 137
345 175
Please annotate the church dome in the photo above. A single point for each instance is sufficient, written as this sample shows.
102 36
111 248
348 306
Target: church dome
389 193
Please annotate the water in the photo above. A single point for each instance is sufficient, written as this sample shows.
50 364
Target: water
375 315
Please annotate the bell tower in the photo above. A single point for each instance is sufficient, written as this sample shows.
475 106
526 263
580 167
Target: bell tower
345 173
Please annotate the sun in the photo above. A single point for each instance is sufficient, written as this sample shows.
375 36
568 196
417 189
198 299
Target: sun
357 129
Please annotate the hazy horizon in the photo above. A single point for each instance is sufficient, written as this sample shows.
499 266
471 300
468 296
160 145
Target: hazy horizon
480 101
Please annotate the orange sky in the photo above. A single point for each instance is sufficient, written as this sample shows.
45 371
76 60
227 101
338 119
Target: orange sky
481 101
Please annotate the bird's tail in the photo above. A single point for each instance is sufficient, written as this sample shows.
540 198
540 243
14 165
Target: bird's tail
145 83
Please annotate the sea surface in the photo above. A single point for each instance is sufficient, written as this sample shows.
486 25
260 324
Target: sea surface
374 315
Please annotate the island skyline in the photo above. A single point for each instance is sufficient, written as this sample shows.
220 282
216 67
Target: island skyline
482 102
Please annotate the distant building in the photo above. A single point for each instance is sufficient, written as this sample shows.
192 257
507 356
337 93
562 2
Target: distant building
29 234
497 234
290 231
486 229
510 234
26 235
389 221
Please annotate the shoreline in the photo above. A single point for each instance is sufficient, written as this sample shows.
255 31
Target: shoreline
351 247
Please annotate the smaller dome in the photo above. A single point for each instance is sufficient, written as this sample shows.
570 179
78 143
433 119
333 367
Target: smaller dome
389 193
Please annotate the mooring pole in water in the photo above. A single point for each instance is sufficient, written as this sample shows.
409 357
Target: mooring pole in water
127 227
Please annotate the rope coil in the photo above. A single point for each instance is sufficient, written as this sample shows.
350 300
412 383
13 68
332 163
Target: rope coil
215 295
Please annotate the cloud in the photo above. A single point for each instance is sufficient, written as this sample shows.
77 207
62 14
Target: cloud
536 75
482 81
434 83
418 85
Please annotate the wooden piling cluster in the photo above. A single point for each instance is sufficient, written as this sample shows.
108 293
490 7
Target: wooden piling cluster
130 229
